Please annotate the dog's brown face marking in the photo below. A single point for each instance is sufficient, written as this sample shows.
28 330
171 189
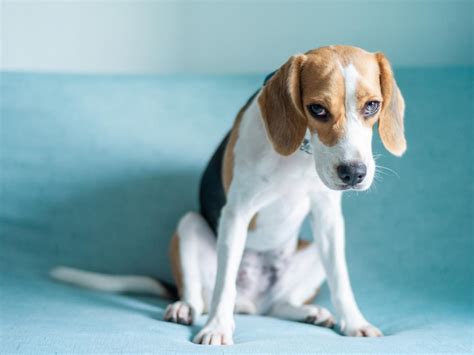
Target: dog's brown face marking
323 83
317 78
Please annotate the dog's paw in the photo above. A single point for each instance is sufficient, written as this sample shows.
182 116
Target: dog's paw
320 316
180 312
214 334
245 307
367 330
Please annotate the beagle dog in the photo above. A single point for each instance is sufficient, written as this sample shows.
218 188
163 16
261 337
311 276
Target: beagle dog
295 146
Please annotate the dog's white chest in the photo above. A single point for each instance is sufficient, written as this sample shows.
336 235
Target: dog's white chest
279 222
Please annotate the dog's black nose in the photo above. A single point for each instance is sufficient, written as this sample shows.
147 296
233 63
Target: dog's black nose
352 173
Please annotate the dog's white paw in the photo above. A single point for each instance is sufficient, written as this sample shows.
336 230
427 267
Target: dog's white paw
214 333
180 312
243 306
367 330
320 316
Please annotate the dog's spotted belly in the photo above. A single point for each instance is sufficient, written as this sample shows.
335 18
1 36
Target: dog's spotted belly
258 273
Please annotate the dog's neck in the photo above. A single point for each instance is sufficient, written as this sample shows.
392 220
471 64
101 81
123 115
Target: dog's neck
254 123
306 144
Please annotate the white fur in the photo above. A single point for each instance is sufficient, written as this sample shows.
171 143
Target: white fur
109 283
196 243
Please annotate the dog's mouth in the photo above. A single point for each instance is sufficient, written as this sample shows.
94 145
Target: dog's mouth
337 185
343 187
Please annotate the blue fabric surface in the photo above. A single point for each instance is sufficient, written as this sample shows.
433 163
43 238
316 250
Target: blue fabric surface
96 170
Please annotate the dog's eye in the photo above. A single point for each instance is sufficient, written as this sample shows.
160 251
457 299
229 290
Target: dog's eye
319 112
371 108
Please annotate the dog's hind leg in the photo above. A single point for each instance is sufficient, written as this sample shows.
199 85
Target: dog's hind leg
298 286
309 313
194 262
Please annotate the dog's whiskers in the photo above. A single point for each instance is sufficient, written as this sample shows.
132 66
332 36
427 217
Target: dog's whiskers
384 170
376 156
378 176
373 188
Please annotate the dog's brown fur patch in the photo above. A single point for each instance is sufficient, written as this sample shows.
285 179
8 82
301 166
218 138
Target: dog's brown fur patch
280 105
303 244
176 262
391 127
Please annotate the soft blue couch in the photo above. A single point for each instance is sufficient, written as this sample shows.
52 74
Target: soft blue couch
96 170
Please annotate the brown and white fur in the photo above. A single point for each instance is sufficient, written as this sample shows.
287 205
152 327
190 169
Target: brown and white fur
257 264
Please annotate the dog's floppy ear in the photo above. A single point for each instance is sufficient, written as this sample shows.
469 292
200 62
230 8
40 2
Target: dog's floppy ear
391 128
281 107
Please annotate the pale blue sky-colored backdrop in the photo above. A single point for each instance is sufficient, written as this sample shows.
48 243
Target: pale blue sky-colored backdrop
226 36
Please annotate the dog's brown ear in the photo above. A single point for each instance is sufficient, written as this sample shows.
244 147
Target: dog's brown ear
391 127
281 107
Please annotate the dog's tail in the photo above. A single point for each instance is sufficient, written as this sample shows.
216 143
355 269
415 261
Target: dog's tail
113 283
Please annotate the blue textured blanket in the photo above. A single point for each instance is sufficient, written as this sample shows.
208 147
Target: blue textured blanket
96 170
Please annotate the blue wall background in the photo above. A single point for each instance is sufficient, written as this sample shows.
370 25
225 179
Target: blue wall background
244 36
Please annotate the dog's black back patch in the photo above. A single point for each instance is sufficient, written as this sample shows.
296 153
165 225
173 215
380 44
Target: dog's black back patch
211 192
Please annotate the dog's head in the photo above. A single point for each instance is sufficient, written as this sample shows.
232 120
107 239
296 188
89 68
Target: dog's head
338 93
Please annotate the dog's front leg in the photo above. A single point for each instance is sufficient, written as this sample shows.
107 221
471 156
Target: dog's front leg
232 234
328 231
